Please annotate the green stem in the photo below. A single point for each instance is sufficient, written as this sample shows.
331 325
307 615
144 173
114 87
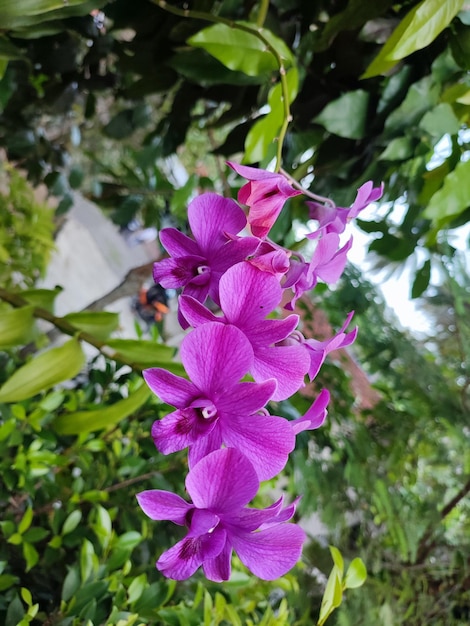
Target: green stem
67 328
256 32
263 11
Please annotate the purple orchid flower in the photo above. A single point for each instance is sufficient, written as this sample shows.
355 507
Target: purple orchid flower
319 350
197 264
220 486
315 416
265 194
327 264
247 296
334 219
214 408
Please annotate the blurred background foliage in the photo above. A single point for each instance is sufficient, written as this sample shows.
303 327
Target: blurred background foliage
110 99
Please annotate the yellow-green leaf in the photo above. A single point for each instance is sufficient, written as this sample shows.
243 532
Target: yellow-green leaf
44 371
100 324
16 326
452 198
332 597
43 298
356 574
418 29
103 417
337 559
146 354
240 50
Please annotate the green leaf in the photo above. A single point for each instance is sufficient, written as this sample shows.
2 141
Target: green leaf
23 13
7 581
337 559
198 66
421 280
100 324
346 116
71 584
399 149
30 554
146 354
26 521
440 121
452 198
44 371
417 30
103 417
43 298
332 597
265 130
16 326
71 522
239 50
26 595
356 574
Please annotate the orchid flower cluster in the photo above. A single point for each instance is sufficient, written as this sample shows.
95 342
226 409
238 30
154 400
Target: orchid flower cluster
233 441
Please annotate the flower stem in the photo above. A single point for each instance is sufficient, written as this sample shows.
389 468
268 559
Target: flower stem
323 199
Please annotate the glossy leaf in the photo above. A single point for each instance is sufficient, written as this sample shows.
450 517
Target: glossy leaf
146 354
418 29
100 324
43 298
265 130
452 198
102 417
356 574
239 50
24 13
16 326
337 559
346 116
44 371
332 596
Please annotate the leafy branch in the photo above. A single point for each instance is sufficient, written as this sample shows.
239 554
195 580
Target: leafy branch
69 329
256 31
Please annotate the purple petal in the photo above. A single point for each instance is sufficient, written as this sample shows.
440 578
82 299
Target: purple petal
170 388
177 272
202 522
203 446
183 559
163 505
196 313
268 332
216 356
251 519
248 294
251 173
178 244
223 481
180 429
270 553
315 416
264 439
218 569
246 398
287 364
212 216
275 262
